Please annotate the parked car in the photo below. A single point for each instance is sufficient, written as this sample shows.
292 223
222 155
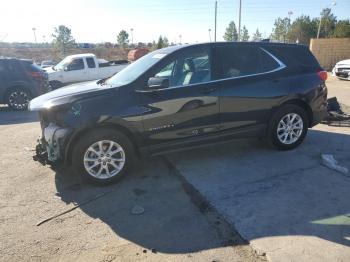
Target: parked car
47 63
80 68
342 70
182 97
20 81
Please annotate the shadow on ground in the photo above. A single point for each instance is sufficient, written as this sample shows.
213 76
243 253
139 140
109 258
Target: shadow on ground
262 192
171 222
9 116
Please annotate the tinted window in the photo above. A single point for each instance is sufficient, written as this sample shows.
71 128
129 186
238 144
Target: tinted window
239 61
267 62
76 64
90 62
193 67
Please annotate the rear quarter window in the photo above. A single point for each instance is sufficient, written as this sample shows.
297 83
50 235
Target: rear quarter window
267 62
295 56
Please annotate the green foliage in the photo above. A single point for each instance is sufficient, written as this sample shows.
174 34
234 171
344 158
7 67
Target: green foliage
123 38
257 35
63 39
302 29
244 34
231 32
342 29
281 29
328 23
162 42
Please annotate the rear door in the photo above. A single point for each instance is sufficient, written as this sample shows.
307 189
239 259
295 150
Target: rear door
91 69
3 79
250 86
189 107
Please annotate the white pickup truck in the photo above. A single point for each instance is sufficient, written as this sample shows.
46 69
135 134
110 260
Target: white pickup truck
82 67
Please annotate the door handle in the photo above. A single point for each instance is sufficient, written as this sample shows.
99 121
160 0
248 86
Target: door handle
208 90
275 80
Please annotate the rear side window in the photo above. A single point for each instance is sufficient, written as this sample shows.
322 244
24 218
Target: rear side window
267 62
294 55
239 61
90 62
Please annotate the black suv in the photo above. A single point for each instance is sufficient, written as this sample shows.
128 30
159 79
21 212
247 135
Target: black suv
181 97
20 81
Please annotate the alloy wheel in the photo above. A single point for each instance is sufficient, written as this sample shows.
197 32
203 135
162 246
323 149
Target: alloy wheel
290 128
18 100
104 159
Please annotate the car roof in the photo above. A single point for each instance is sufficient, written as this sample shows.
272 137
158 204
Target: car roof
171 49
80 55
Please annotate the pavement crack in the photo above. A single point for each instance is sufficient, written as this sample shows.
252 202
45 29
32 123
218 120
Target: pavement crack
226 231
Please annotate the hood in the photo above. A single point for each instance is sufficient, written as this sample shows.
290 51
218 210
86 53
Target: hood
49 70
67 95
344 62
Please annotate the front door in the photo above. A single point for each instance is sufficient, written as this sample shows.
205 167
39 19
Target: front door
189 107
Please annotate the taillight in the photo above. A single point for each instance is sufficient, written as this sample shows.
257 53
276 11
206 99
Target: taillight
38 75
323 75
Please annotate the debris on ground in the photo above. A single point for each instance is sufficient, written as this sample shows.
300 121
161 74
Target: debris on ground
329 161
137 210
338 113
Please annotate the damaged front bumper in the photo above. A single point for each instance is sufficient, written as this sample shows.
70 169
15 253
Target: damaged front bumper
50 146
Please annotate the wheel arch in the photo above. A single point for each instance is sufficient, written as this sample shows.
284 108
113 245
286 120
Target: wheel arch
79 134
301 103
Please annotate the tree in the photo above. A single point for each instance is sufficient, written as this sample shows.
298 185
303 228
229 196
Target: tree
328 23
231 32
162 42
257 35
281 29
63 39
123 38
244 34
302 29
342 29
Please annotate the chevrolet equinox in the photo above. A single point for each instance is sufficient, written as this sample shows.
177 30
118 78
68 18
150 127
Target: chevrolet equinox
182 97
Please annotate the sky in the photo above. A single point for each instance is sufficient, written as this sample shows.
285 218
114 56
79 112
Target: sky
94 21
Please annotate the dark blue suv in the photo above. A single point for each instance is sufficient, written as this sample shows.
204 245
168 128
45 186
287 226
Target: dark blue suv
182 97
20 81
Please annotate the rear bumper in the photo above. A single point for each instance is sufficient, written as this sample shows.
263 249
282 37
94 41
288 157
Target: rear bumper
319 116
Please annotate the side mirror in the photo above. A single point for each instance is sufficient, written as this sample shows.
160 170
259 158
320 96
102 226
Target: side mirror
158 83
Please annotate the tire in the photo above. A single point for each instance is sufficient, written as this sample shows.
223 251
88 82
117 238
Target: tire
55 84
286 136
18 98
106 137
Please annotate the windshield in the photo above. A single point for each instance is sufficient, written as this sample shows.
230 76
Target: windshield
64 63
134 70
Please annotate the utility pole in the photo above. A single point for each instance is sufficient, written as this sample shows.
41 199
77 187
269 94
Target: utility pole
239 20
216 16
180 36
209 30
34 34
319 25
132 35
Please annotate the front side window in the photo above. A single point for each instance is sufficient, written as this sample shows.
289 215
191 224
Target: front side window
193 67
76 64
239 61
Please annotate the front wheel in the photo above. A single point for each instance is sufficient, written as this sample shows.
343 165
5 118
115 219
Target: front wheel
103 156
288 127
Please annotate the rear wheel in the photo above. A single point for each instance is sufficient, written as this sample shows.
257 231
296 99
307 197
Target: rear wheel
18 98
103 156
288 127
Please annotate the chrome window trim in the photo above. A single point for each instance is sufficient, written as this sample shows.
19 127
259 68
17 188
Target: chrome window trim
280 67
